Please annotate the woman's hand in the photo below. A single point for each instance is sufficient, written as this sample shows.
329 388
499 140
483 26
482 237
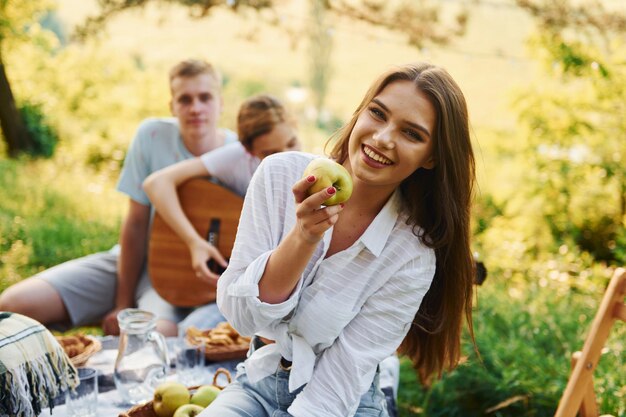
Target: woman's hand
201 253
313 220
288 260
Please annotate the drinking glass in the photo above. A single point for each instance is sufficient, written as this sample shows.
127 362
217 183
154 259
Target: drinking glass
83 401
190 361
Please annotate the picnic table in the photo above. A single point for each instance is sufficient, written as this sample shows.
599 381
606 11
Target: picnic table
110 403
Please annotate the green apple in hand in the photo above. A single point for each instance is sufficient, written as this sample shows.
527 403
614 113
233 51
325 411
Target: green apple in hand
205 395
168 396
330 174
188 410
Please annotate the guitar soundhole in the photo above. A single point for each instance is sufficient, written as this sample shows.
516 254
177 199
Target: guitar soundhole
213 238
215 267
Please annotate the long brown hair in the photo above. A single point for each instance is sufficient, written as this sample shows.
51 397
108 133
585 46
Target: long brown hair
438 204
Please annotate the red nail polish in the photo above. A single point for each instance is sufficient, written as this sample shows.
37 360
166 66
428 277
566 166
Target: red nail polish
341 205
310 178
331 190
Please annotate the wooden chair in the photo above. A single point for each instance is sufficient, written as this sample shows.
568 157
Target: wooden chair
579 395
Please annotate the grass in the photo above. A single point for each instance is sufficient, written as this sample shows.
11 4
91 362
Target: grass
525 342
50 214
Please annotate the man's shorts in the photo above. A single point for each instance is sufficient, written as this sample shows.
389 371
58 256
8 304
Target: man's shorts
87 287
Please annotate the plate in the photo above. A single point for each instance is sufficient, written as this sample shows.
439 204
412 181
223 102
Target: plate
220 343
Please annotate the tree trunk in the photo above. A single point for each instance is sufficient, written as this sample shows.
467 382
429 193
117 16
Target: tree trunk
623 196
13 130
320 51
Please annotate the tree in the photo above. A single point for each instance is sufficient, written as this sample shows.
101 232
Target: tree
18 26
576 129
13 128
13 16
320 51
420 22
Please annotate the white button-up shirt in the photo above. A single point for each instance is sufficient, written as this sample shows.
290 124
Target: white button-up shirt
348 312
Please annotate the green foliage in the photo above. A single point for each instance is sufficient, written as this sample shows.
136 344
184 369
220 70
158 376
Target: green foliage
44 136
51 22
525 334
15 15
96 97
486 210
249 87
49 214
620 247
574 126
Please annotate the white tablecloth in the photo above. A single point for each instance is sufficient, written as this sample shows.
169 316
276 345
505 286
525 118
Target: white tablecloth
108 406
109 401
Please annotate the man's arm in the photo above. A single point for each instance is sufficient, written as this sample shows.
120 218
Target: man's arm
133 240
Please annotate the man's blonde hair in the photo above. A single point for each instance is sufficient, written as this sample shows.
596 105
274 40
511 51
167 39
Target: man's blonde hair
193 67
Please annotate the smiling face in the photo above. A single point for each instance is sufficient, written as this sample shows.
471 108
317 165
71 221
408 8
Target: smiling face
196 102
392 137
281 138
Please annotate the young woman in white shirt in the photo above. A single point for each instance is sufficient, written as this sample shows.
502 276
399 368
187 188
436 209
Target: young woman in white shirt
264 127
329 292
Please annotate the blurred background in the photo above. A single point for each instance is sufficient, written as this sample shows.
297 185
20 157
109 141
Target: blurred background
545 82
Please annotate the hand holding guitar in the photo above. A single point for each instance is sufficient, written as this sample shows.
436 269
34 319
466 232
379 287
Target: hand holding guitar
202 255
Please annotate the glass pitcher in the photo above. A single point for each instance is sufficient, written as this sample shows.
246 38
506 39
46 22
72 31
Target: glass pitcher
142 360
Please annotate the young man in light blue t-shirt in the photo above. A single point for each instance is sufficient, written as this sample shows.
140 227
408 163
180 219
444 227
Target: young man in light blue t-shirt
96 287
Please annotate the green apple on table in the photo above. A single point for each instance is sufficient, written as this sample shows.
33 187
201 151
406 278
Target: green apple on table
205 395
188 410
330 173
168 397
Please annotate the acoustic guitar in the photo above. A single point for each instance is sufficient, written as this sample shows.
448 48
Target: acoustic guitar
214 212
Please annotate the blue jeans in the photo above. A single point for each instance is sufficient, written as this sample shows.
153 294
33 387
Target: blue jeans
270 397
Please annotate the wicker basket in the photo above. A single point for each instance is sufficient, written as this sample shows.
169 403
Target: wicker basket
79 348
146 410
